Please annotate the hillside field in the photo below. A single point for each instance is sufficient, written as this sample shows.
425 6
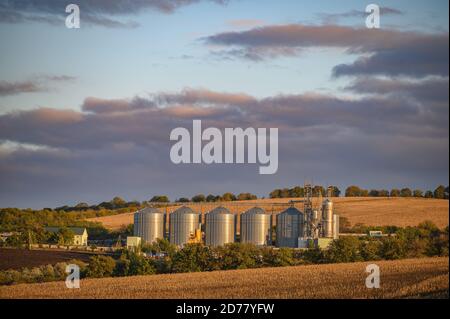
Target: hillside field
372 211
408 278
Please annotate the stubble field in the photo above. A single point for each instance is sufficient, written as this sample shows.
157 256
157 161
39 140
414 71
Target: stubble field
408 278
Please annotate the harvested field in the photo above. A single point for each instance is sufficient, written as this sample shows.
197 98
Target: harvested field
373 211
409 278
19 258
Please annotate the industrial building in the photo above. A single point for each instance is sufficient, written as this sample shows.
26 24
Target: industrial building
314 226
149 224
219 227
256 227
184 226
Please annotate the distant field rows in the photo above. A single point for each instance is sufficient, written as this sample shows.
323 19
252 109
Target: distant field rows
409 278
366 210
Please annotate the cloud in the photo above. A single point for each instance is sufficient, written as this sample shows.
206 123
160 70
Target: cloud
121 146
35 84
94 12
245 23
381 51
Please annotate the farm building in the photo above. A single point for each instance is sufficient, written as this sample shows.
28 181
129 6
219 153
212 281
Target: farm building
80 237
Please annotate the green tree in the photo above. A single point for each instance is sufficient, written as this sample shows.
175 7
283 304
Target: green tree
276 193
428 194
395 192
345 249
392 248
160 199
118 202
439 192
406 192
192 258
198 198
228 197
353 191
101 266
418 193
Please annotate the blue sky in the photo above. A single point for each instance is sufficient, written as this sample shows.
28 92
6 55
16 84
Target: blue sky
173 51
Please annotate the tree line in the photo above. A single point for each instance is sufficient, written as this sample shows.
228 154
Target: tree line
440 192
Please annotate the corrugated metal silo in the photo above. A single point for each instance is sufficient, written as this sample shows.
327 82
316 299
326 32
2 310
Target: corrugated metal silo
219 227
327 218
289 227
182 225
149 224
256 227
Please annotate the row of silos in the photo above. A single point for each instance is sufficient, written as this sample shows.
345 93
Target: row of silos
220 226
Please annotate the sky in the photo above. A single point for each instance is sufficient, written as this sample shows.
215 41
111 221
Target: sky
86 114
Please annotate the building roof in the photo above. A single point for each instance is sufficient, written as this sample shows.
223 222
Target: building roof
255 210
75 230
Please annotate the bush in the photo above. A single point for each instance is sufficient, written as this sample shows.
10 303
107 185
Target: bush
345 249
101 266
392 248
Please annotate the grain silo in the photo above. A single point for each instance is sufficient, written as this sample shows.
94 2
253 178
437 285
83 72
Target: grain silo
149 224
183 223
219 227
256 227
327 219
289 227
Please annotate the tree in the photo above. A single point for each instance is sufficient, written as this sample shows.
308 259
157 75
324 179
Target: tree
193 258
418 193
392 248
364 193
198 198
374 193
395 192
297 191
428 194
100 266
318 190
353 191
336 192
276 193
345 249
160 199
406 192
439 192
210 198
183 200
118 202
228 197
246 196
383 193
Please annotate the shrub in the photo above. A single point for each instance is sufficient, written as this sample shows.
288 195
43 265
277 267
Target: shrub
101 266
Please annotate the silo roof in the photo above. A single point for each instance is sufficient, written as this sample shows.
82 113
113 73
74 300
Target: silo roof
220 210
255 210
291 211
184 210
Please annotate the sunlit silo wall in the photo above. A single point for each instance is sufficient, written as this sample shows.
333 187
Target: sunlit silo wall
327 218
149 224
219 227
256 227
182 225
289 227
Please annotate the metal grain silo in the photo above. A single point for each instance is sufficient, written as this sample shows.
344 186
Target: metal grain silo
289 227
149 224
182 225
219 227
327 218
256 227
